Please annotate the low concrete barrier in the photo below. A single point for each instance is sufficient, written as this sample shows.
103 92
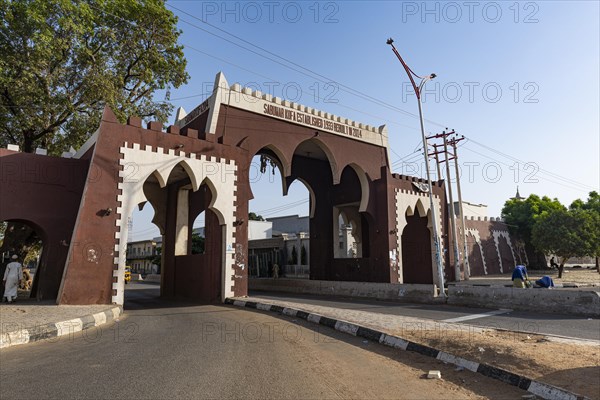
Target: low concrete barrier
414 293
580 302
152 278
560 301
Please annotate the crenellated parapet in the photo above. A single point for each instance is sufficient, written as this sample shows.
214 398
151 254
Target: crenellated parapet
275 107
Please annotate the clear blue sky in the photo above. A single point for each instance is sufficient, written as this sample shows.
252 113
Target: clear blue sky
520 78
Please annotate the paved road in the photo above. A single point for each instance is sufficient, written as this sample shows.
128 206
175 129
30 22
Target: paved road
554 324
173 350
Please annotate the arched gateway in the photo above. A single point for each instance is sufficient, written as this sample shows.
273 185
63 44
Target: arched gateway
202 164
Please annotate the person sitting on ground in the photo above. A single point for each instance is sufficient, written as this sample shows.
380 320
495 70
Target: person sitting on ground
27 280
520 278
544 282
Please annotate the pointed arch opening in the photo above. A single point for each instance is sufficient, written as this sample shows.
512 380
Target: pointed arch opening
351 229
269 162
144 241
163 246
348 243
315 149
202 263
417 257
28 241
421 210
278 226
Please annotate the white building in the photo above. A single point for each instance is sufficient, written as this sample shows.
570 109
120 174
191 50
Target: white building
288 246
260 230
140 256
290 224
471 210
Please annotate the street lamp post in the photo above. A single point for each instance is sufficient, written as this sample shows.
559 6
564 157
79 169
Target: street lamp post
418 89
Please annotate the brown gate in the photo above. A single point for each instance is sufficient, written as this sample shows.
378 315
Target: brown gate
416 251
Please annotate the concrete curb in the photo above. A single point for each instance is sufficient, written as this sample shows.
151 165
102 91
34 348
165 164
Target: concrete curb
540 389
56 329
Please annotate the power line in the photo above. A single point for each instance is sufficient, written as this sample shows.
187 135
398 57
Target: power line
312 74
325 79
309 72
523 162
522 170
282 207
272 79
320 77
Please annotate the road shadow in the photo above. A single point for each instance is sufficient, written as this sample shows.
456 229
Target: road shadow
147 297
477 383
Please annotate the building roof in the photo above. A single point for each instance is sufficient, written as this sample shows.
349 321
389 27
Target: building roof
142 241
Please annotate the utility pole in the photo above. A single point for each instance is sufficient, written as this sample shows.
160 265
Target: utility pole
444 135
418 89
467 268
452 216
436 153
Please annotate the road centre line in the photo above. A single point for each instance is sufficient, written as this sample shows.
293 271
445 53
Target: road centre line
476 316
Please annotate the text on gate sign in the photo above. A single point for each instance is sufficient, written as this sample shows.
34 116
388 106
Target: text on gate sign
195 113
311 120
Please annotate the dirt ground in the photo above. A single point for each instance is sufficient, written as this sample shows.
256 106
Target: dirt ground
531 355
570 275
576 276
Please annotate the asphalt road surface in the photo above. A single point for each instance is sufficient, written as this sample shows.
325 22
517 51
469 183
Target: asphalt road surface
553 324
162 349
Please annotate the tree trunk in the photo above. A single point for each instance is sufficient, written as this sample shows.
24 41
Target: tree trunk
597 266
27 146
561 267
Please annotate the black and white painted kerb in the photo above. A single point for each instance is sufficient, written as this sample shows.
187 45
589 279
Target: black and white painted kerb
540 389
54 330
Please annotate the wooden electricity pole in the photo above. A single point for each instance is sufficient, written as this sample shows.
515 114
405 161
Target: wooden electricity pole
454 242
467 268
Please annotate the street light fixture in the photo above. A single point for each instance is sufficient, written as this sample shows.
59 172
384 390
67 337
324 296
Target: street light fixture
418 89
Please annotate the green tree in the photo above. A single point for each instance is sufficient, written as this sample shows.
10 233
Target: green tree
566 234
34 253
198 244
592 205
303 256
294 258
64 60
521 216
255 217
20 239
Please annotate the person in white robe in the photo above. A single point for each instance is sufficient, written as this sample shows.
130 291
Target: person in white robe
12 277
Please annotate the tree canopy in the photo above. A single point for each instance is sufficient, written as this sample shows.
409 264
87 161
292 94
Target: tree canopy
198 243
567 233
64 60
592 203
549 228
521 216
252 216
591 206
